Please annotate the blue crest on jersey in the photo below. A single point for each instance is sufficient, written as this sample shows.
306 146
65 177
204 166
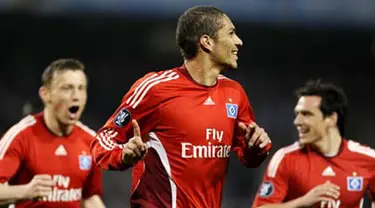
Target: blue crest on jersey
85 162
232 110
354 183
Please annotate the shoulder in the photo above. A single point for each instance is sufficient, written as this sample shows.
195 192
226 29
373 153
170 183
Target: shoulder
16 132
155 79
21 127
228 82
153 85
281 155
88 133
360 150
233 85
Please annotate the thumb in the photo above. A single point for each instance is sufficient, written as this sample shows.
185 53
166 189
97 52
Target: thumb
244 129
242 126
136 129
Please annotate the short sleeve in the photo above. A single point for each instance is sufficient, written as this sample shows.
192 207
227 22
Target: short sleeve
12 149
274 186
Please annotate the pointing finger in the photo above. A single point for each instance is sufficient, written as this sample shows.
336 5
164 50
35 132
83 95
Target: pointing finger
136 128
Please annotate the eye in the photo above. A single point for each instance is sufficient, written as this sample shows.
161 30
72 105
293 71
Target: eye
65 87
82 87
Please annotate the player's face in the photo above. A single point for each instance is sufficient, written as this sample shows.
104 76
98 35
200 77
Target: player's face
309 120
67 95
226 45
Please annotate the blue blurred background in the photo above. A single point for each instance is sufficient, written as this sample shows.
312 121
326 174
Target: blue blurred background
285 44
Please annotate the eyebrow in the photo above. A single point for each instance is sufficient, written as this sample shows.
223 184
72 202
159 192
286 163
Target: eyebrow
304 111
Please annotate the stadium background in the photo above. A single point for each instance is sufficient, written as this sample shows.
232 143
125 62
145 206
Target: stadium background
285 44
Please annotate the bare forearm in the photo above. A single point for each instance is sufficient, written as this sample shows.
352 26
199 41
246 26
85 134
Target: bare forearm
10 194
93 202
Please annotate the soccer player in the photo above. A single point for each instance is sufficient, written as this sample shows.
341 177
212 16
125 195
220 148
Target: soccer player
45 158
322 169
187 119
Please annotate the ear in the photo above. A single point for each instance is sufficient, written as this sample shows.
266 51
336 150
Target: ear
332 119
206 42
44 94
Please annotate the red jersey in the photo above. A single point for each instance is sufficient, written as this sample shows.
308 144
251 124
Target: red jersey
29 148
292 172
191 131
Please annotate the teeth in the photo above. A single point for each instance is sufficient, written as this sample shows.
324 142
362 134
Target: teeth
303 130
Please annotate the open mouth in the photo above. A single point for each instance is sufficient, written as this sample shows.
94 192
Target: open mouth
74 109
303 131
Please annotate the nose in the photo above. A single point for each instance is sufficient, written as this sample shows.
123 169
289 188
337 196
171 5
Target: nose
75 94
297 120
238 41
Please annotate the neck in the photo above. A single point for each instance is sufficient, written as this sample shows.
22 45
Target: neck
54 125
203 71
330 144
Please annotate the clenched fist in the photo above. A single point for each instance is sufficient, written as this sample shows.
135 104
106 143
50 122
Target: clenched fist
40 186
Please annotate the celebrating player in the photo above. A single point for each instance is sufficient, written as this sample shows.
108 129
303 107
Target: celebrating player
184 122
45 158
322 169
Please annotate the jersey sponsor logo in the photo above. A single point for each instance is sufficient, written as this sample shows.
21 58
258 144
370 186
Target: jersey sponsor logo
61 191
122 117
354 183
266 189
232 110
85 162
218 150
330 204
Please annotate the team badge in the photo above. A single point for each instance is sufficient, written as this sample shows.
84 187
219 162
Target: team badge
354 183
232 110
85 162
266 189
122 117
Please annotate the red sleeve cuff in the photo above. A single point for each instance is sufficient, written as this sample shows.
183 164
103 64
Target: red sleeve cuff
120 165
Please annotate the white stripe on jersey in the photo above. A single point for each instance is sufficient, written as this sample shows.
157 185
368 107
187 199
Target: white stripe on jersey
105 139
358 148
137 92
139 86
156 144
170 77
86 128
13 132
278 157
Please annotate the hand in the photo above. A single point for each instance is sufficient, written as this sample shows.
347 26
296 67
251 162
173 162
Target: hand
256 136
134 150
40 186
324 192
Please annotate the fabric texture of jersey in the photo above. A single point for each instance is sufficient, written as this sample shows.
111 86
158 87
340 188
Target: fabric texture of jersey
293 171
29 148
190 131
